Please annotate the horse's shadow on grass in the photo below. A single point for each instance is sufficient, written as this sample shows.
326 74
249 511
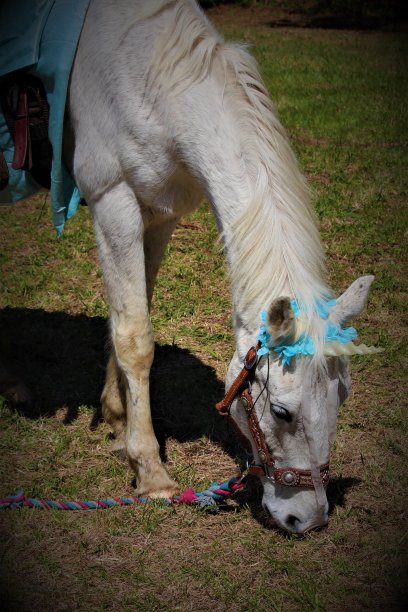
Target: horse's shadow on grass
62 360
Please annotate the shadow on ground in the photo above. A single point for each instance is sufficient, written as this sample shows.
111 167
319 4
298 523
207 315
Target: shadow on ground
62 360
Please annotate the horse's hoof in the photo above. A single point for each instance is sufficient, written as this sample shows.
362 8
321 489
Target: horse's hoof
170 490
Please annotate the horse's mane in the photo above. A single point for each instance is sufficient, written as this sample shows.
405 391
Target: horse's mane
274 245
185 54
277 235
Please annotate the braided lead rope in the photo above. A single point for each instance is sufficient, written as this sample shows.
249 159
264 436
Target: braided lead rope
216 492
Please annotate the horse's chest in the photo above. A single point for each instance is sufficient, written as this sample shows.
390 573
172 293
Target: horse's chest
166 187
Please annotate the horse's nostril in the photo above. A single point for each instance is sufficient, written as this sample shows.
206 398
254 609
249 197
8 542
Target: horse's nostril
292 520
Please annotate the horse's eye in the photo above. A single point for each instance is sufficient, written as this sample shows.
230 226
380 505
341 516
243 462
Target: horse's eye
281 413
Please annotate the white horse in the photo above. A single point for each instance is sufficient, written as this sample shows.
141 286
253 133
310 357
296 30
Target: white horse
161 113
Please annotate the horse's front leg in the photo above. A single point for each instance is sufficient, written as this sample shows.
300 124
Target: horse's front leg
119 231
156 237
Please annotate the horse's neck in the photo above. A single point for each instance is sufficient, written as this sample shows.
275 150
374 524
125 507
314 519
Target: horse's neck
226 132
263 213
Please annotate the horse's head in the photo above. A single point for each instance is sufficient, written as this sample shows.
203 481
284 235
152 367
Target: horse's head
287 399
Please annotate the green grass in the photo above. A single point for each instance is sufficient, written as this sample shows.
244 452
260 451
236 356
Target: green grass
342 96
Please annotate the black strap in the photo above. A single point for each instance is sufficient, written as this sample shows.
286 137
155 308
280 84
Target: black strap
25 107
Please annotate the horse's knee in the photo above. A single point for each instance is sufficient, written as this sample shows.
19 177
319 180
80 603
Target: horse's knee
134 346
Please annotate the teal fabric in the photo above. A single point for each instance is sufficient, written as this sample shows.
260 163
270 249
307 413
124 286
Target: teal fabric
21 27
42 35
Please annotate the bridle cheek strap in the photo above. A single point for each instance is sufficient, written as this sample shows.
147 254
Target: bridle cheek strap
240 388
315 472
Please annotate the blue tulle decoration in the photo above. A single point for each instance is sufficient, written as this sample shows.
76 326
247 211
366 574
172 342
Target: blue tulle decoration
304 345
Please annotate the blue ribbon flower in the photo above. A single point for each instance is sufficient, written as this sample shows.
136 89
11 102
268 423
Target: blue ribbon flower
304 345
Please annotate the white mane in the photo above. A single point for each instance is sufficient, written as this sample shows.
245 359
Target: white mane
274 246
186 54
279 243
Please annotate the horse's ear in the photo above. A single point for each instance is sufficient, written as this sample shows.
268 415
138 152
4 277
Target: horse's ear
281 321
352 301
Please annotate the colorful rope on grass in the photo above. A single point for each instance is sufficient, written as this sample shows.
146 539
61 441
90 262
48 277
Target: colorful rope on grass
216 492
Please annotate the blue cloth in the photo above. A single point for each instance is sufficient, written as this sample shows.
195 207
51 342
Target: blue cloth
304 345
42 35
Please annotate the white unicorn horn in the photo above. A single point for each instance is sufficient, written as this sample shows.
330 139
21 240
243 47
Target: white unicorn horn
336 349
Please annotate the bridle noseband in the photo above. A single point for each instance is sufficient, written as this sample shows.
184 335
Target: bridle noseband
241 388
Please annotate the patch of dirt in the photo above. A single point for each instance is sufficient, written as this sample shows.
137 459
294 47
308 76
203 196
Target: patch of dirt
313 15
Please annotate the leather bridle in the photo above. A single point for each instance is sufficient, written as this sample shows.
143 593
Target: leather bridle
241 388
